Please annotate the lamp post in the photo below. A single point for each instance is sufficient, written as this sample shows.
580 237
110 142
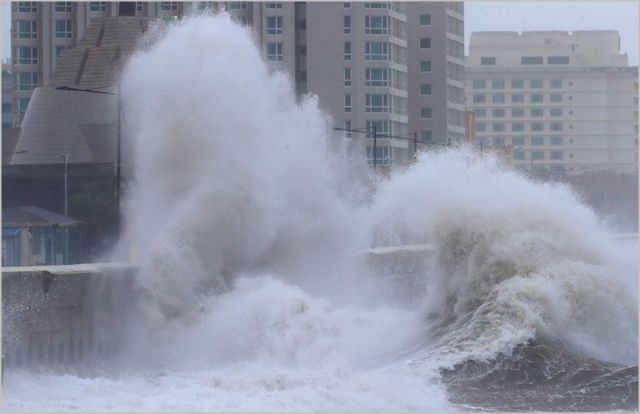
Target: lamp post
66 161
117 190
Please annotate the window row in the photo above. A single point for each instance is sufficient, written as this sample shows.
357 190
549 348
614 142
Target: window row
455 48
378 25
455 25
517 112
538 155
529 60
518 126
516 98
381 127
522 141
379 103
517 84
384 77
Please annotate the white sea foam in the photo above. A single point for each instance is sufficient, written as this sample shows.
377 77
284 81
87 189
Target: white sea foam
252 293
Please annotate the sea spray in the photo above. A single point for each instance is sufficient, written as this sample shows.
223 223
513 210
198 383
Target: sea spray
515 261
231 172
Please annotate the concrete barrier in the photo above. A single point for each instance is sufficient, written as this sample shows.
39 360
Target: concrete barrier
62 316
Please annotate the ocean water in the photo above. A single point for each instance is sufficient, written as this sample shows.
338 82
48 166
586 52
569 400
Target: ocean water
254 292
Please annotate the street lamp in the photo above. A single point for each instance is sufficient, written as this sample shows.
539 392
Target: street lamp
66 161
119 137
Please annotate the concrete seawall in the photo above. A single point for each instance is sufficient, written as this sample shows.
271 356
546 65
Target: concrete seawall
62 316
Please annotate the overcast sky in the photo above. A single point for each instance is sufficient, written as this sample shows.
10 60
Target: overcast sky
514 16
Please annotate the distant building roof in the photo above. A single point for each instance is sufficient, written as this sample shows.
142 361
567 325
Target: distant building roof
35 217
82 124
98 56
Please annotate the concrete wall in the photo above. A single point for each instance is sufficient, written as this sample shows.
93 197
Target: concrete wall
68 318
62 316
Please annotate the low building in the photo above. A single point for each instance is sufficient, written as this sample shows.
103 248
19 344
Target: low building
32 236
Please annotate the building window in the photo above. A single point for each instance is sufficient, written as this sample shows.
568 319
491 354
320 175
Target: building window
425 90
537 155
25 7
376 51
59 50
488 61
25 55
537 112
64 29
21 105
555 83
478 84
536 98
346 24
376 25
531 60
499 142
425 43
555 140
517 84
270 4
537 126
517 141
169 5
243 5
499 113
555 97
347 50
519 127
517 98
25 29
140 6
274 25
425 66
556 126
517 112
347 103
498 127
274 52
536 84
481 127
377 103
425 20
480 113
537 141
425 113
558 60
377 77
426 136
346 5
381 127
478 98
347 126
498 84
555 112
518 155
497 98
347 77
63 6
98 6
25 81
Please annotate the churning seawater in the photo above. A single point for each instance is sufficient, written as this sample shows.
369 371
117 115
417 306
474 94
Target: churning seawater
254 295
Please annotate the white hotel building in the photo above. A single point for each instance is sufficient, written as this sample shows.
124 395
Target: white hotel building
566 102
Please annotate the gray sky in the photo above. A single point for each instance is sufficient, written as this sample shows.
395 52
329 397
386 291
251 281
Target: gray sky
514 16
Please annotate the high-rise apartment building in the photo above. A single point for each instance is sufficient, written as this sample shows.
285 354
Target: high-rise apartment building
393 66
566 102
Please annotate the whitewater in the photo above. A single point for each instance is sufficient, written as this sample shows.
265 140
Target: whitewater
254 292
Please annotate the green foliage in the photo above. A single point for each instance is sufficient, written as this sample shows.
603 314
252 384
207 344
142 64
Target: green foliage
95 205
